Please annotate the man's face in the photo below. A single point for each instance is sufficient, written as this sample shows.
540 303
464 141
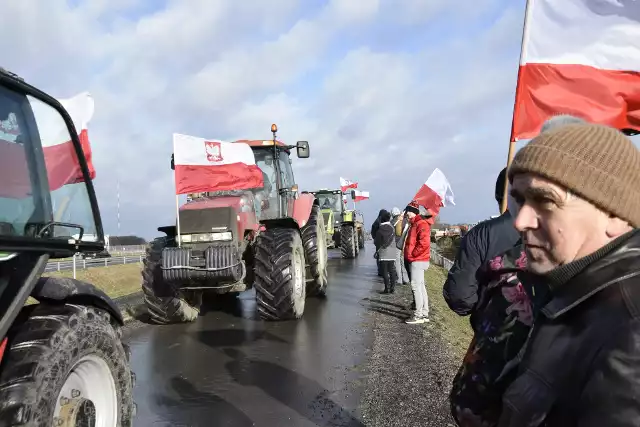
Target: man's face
411 215
556 227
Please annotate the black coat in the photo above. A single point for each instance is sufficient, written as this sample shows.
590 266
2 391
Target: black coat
376 224
482 243
581 366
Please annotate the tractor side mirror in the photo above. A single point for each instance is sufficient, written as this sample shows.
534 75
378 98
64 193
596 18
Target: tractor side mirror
303 149
173 164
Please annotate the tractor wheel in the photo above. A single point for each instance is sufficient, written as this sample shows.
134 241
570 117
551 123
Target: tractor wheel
348 243
280 274
166 304
66 365
314 240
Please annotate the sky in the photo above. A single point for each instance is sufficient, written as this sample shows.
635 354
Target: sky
384 90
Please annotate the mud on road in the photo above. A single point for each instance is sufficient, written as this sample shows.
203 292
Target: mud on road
231 369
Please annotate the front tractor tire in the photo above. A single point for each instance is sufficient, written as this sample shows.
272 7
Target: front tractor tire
314 240
165 303
348 243
65 364
280 274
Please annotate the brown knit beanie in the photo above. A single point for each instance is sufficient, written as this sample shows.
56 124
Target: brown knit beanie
596 162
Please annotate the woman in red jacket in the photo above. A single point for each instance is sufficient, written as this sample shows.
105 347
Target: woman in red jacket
417 253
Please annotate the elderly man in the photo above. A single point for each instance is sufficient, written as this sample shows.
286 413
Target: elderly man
578 191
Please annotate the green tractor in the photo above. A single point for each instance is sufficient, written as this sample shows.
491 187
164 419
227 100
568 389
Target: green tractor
344 227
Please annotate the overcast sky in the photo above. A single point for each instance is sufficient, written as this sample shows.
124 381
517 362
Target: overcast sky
384 90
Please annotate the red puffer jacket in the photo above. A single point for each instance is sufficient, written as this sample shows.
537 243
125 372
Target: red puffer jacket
418 245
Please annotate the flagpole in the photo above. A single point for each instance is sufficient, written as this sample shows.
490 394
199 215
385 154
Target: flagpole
512 141
178 219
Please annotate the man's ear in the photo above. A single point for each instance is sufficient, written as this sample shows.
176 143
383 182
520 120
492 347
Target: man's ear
617 227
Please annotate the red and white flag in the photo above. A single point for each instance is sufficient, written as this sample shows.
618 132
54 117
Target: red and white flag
435 193
345 184
211 165
60 156
359 196
579 57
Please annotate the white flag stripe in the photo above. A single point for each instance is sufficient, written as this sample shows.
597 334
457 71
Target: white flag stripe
439 183
51 126
599 33
192 151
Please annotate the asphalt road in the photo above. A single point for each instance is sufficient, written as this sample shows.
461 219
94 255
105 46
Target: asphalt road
231 369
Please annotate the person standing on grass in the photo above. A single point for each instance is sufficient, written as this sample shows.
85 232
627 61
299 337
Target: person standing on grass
417 253
397 220
386 250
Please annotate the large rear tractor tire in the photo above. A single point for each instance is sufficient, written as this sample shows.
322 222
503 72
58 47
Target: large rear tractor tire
314 240
280 274
165 303
348 245
66 365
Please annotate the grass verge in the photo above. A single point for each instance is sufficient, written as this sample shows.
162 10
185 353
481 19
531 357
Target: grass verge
455 330
114 280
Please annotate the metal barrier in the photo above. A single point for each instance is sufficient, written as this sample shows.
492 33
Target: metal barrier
82 264
441 261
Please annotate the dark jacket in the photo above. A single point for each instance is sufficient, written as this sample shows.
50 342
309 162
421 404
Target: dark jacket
376 225
581 366
385 242
482 243
418 244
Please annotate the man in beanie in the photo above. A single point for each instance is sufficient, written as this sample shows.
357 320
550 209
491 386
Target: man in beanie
578 192
417 253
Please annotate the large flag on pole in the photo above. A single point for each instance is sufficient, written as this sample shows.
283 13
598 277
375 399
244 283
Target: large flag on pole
435 193
203 165
345 184
579 57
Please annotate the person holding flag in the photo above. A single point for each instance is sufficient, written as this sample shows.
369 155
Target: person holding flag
417 253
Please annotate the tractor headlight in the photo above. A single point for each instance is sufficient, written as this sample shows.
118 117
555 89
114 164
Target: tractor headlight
207 237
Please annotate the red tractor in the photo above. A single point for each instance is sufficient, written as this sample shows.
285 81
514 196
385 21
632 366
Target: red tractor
270 238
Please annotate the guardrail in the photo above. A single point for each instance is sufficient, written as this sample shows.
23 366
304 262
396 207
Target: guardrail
83 264
443 262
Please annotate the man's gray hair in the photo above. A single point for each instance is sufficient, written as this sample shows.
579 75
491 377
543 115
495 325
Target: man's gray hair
559 121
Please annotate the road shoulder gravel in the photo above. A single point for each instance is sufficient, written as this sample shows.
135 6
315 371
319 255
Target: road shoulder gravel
410 367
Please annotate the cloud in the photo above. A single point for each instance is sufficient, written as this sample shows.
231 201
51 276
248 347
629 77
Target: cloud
384 91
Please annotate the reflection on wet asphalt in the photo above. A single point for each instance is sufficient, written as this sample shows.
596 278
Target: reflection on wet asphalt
231 369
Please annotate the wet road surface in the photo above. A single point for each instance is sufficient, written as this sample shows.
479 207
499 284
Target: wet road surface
231 369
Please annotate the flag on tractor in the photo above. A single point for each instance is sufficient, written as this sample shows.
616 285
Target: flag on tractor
579 57
345 184
435 193
61 159
359 196
203 165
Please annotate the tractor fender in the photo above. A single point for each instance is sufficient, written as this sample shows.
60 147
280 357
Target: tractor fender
302 208
68 290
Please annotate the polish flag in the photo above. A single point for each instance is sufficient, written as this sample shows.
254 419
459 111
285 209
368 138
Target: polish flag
211 165
359 196
345 184
435 193
579 57
60 156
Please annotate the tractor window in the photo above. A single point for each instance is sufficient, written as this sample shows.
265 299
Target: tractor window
287 171
34 142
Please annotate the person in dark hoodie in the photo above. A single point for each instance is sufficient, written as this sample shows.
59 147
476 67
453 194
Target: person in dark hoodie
385 242
374 231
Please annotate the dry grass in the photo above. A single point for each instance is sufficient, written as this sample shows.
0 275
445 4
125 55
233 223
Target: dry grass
455 329
114 280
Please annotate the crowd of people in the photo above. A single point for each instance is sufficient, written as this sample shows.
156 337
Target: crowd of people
403 250
551 286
